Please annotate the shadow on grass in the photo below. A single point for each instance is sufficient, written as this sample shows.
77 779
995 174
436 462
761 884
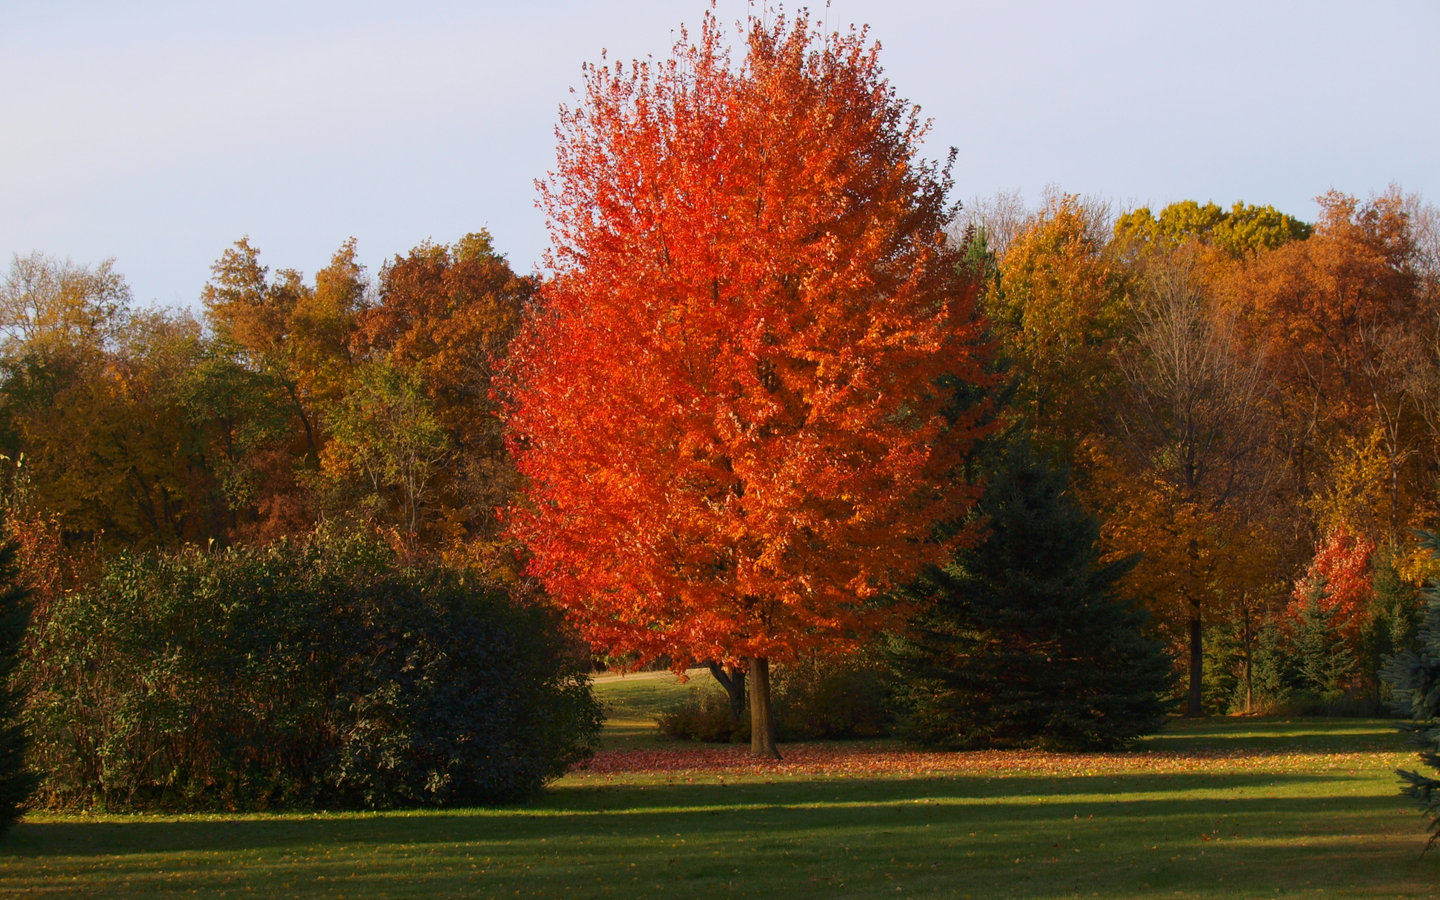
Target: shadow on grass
1129 835
1277 736
576 810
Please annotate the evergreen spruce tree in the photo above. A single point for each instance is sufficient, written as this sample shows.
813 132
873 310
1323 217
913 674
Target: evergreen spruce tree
1413 677
1021 641
16 782
1269 674
1324 663
1223 671
1390 625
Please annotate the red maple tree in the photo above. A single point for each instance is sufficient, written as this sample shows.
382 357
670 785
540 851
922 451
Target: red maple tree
1342 579
741 402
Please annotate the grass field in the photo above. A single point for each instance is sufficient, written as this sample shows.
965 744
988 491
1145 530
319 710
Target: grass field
1229 808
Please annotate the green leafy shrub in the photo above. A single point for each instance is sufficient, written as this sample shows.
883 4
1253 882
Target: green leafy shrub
1389 626
828 698
1303 666
315 673
704 716
815 699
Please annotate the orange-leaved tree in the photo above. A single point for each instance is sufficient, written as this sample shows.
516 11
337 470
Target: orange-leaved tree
446 314
1340 317
1060 313
741 403
1341 580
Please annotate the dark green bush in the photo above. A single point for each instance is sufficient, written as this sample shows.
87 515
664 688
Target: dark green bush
16 780
1323 663
815 699
317 673
1303 666
704 716
831 698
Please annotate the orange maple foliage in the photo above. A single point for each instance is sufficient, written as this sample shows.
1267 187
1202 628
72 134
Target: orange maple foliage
1336 317
1342 579
737 405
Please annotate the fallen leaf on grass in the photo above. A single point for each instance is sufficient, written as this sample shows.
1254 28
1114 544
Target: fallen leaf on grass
847 760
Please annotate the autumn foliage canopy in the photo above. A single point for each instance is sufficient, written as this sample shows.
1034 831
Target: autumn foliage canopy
738 404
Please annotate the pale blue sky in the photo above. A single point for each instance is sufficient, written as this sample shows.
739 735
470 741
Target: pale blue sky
157 132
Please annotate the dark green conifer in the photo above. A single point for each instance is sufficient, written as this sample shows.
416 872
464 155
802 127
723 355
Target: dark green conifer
1324 663
1021 641
1413 677
16 782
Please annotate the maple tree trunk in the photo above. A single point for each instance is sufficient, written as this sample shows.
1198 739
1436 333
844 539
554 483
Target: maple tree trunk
1197 660
732 679
762 719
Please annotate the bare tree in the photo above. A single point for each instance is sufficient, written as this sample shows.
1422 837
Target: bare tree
1001 216
1005 215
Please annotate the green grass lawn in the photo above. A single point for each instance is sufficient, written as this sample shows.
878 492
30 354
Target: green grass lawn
1226 808
633 701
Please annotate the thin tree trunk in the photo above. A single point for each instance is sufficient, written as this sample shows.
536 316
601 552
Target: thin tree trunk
294 392
1249 632
762 720
732 679
1249 685
1196 707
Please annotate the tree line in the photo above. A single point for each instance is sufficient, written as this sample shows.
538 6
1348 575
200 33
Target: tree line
1249 399
285 401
